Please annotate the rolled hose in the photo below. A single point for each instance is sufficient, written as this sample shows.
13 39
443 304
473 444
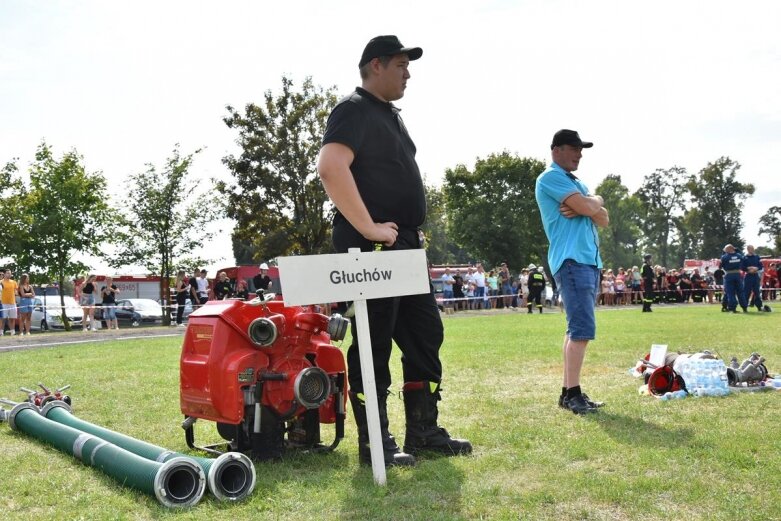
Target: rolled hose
178 482
230 477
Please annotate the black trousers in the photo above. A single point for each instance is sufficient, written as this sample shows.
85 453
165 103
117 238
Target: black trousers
535 295
412 321
181 298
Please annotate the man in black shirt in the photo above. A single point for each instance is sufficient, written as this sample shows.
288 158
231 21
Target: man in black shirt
262 280
368 168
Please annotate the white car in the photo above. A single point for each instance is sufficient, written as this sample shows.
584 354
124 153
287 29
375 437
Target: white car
49 316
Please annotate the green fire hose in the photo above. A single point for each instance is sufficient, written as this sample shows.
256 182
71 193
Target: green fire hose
178 482
229 477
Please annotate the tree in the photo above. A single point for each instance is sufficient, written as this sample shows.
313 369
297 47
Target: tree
156 231
16 220
719 198
770 225
439 249
618 242
276 197
492 212
662 195
71 215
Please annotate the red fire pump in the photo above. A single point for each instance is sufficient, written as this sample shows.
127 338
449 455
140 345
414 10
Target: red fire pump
267 374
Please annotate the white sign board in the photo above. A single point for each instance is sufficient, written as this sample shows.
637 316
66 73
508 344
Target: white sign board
357 276
313 279
658 354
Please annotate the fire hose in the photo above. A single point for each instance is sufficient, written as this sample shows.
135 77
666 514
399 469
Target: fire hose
179 482
230 477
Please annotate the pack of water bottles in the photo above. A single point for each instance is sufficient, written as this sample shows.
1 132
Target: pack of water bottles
704 376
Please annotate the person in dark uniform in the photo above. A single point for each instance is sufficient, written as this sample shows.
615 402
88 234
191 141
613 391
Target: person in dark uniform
368 169
731 262
262 280
647 273
536 286
753 268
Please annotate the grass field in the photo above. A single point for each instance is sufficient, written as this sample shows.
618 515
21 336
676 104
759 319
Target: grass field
638 458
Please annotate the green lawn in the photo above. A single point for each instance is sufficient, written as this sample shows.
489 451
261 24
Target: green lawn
638 458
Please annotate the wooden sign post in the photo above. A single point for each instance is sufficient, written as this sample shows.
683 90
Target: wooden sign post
357 276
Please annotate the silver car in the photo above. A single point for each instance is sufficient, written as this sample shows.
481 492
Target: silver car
47 312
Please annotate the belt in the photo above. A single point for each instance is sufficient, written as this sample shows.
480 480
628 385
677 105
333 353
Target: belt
732 271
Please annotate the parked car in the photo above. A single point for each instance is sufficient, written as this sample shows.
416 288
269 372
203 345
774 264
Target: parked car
47 313
188 308
137 311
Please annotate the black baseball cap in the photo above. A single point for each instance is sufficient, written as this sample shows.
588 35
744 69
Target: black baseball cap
388 45
569 137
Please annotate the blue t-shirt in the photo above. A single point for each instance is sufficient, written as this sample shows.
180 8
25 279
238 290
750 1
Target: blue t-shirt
731 261
575 238
751 261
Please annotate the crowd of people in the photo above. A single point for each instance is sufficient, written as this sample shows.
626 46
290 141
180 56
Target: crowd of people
473 288
17 298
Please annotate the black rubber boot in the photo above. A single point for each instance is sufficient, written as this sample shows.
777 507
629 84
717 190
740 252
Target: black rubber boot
530 308
391 451
423 433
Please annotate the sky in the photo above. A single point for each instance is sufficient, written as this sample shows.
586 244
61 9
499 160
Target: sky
652 84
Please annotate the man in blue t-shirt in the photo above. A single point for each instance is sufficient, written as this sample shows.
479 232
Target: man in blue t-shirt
570 216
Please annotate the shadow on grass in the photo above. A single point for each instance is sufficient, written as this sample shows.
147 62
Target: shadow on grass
431 490
631 430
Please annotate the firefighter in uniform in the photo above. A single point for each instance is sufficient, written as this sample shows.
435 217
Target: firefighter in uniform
647 273
536 285
731 262
367 166
753 268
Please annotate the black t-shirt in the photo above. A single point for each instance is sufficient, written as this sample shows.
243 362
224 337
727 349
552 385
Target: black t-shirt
193 286
261 282
88 288
110 297
222 289
384 167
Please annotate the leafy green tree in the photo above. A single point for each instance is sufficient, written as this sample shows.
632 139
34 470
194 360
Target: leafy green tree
275 197
690 234
770 225
15 220
719 197
662 195
157 230
492 212
71 215
618 242
440 249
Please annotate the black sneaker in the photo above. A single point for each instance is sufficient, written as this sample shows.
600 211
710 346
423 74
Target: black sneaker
563 397
592 403
578 405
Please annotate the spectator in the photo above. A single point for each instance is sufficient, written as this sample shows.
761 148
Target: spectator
242 291
109 294
181 288
458 291
262 281
78 284
8 299
88 292
479 279
203 288
770 281
506 285
222 287
620 287
26 296
523 287
493 288
194 298
447 288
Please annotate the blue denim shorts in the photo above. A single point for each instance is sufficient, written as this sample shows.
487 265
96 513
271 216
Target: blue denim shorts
109 312
577 285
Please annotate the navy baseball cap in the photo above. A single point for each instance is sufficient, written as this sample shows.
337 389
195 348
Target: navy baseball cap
388 45
569 137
